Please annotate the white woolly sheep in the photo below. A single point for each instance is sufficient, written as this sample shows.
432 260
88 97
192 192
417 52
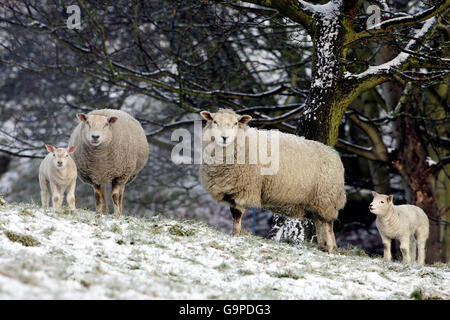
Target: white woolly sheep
402 223
112 148
59 170
310 175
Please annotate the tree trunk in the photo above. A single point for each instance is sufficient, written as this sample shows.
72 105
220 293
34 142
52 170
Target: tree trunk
411 163
325 107
4 164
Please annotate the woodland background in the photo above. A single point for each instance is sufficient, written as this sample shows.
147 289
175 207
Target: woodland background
379 96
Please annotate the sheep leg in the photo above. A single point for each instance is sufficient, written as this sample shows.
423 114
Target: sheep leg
412 248
56 195
71 195
104 201
45 193
121 191
115 195
330 234
99 198
387 247
325 235
421 242
237 219
404 248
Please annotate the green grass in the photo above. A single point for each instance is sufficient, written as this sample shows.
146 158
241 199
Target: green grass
244 272
418 294
25 240
177 230
286 274
223 266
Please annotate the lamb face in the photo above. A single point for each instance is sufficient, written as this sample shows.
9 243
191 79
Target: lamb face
381 204
96 130
60 155
224 126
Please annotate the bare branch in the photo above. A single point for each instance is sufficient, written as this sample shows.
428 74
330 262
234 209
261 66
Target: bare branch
384 26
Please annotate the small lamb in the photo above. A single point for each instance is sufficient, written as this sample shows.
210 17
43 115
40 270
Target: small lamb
402 223
59 170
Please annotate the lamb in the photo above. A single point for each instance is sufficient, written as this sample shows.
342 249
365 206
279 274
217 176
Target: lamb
59 170
310 175
112 148
402 223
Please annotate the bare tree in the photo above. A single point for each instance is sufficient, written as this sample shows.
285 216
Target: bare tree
293 65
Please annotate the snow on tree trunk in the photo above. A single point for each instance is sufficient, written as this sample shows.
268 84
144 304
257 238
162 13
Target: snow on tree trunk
294 231
325 107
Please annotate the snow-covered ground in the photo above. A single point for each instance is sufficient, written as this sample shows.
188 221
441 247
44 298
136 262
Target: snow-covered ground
77 255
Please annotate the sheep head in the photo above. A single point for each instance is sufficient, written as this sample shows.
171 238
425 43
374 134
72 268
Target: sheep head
97 129
60 155
225 125
381 204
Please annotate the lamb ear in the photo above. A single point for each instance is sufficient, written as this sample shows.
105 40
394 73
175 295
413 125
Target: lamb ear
71 149
111 120
207 115
50 148
374 193
389 198
82 117
244 119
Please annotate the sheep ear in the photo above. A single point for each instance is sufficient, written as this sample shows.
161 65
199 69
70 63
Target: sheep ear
50 148
245 118
71 149
111 120
374 193
207 115
82 117
389 198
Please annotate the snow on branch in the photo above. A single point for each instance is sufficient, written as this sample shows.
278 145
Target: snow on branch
401 59
327 10
408 19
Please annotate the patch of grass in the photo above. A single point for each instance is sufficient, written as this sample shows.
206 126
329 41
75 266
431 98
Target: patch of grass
25 212
216 245
25 240
223 266
48 231
244 272
352 251
286 274
120 241
177 230
419 294
67 211
116 228
134 267
85 283
245 232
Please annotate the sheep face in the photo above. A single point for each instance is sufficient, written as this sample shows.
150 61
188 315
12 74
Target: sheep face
60 155
224 125
96 129
381 204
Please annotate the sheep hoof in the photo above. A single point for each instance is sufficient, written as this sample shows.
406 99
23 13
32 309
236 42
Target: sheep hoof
327 248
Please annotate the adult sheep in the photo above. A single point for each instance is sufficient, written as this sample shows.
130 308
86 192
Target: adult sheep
309 175
112 148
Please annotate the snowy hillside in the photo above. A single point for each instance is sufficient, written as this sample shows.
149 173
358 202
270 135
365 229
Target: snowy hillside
64 255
